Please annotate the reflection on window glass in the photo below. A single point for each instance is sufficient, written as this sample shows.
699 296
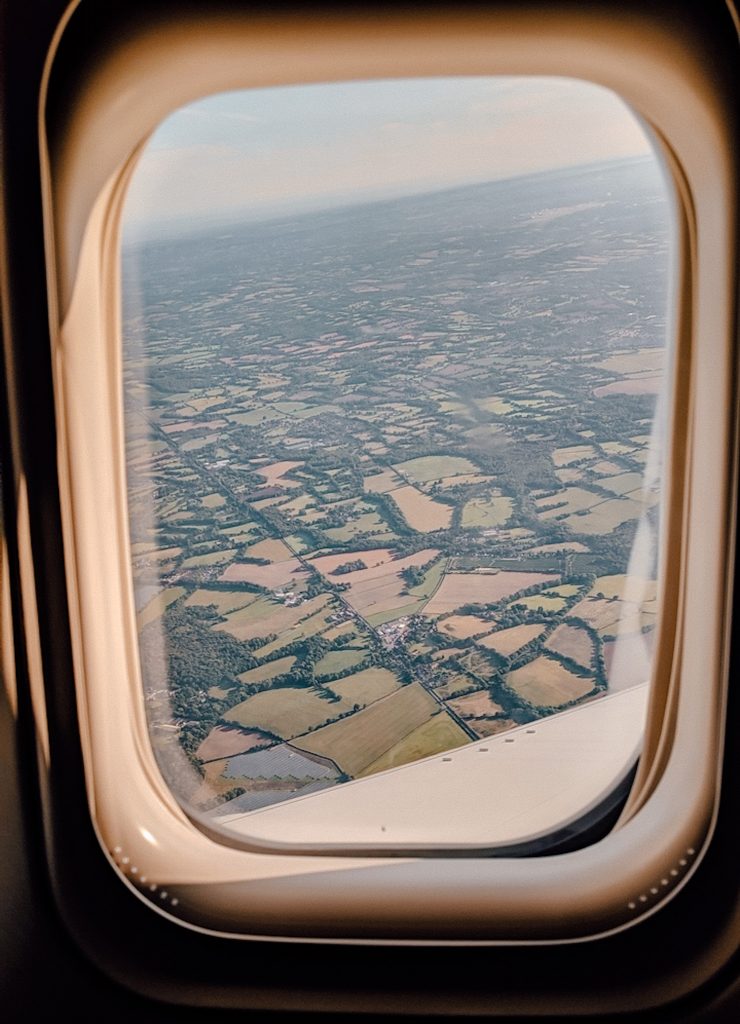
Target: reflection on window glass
394 374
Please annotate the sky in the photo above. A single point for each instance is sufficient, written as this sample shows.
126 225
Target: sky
261 153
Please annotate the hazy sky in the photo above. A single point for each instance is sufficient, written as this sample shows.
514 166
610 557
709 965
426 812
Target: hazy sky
263 152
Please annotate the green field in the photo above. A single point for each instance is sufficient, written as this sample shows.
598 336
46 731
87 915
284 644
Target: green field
212 558
573 453
225 600
367 523
311 626
366 686
266 616
434 467
243 534
249 613
161 555
357 741
432 579
438 734
286 712
567 502
485 512
606 516
269 670
541 603
395 613
254 418
622 483
348 629
339 661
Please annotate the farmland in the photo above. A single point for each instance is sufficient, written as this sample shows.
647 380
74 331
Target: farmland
476 705
366 686
462 588
421 512
337 662
268 670
286 712
224 600
268 577
267 616
544 681
434 467
225 742
384 503
463 626
359 740
431 737
572 642
508 641
480 512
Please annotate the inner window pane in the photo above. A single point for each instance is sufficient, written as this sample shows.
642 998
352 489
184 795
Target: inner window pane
395 390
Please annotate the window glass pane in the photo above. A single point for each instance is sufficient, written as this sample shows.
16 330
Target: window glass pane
395 389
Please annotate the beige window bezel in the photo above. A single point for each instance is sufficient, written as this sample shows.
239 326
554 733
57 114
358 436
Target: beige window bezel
593 891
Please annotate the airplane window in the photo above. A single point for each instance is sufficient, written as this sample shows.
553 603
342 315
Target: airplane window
395 370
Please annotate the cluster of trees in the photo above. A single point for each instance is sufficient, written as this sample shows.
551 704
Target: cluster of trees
391 513
180 652
345 567
414 574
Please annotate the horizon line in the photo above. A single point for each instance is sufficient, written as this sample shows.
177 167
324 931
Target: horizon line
177 229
